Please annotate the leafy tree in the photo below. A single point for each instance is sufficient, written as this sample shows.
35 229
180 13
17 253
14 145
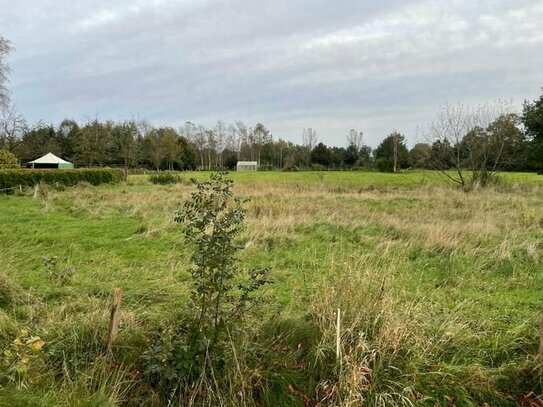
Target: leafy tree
8 160
95 143
392 153
442 155
188 157
67 137
507 149
320 154
152 145
351 155
532 118
38 141
124 138
229 159
365 157
419 155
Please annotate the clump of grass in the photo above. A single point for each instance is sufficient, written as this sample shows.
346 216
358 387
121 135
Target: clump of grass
164 178
10 293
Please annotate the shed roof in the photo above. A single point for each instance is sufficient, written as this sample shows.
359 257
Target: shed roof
247 163
49 158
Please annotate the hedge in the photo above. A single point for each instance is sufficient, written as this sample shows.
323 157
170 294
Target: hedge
28 177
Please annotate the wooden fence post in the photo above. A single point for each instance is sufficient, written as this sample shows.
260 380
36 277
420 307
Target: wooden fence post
338 334
540 356
114 318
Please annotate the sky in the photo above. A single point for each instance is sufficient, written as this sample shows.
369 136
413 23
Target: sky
374 65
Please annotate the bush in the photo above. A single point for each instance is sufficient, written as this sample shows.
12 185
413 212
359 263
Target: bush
222 294
165 178
8 160
29 178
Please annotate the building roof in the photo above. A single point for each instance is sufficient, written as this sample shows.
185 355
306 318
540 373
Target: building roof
247 163
49 158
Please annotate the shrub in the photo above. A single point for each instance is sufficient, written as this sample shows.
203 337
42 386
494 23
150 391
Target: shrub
164 178
26 177
8 159
221 292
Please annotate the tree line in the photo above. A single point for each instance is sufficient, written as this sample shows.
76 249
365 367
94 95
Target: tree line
508 142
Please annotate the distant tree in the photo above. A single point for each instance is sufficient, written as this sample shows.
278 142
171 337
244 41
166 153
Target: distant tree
365 158
321 155
229 158
67 135
419 155
12 127
38 141
337 155
171 148
507 144
95 143
477 149
442 155
354 138
262 136
124 137
152 149
5 49
8 159
188 156
351 155
532 118
392 153
309 140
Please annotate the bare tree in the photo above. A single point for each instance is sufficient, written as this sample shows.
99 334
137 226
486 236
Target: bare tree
5 49
309 140
476 149
197 135
220 132
354 138
211 146
12 128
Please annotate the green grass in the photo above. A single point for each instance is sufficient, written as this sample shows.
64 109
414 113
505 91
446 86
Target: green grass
444 285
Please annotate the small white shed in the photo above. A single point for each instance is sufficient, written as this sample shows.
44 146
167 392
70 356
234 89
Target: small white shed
247 166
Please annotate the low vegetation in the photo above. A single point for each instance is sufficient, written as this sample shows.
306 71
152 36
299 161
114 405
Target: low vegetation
15 178
439 292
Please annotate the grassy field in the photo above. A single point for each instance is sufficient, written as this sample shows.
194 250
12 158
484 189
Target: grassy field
440 291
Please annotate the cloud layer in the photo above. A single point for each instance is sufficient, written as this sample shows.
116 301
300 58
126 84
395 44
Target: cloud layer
373 65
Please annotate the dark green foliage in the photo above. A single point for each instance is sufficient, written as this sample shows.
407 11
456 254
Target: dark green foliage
392 154
532 118
28 178
165 178
419 155
321 155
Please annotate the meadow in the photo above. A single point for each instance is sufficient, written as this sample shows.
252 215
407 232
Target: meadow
440 291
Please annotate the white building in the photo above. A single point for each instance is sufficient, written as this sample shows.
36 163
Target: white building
247 166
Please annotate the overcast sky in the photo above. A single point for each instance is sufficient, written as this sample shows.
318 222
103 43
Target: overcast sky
373 65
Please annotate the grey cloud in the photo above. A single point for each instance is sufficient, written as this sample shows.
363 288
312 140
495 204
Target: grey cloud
374 65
